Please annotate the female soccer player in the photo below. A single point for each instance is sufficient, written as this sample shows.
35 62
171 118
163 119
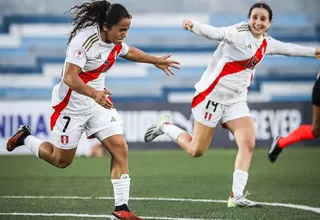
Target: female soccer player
221 93
80 102
302 133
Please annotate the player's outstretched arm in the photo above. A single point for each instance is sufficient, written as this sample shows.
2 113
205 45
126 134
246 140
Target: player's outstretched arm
213 33
163 63
290 49
317 55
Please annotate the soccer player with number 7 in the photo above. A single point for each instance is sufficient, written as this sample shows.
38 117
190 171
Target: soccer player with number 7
80 102
221 93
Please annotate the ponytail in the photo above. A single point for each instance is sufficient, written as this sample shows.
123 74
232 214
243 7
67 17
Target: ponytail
96 13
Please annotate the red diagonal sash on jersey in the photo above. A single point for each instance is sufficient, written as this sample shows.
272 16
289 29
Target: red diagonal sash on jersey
229 68
86 77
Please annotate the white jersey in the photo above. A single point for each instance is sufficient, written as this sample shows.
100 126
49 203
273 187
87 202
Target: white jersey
232 66
95 58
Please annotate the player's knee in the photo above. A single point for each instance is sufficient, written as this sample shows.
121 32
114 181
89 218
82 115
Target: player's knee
316 131
63 163
249 144
197 152
120 151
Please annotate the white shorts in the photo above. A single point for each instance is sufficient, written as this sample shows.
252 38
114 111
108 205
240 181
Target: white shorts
210 113
103 122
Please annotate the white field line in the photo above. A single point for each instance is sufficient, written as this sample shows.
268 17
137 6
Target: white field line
91 216
286 205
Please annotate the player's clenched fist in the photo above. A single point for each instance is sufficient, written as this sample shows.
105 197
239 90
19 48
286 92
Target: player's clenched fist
317 54
101 98
187 24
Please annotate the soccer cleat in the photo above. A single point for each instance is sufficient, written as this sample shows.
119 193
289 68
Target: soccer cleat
156 129
242 201
124 215
17 139
274 150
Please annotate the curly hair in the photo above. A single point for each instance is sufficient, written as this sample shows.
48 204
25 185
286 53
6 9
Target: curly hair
97 12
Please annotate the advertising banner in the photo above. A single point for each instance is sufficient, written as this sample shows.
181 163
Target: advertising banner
271 119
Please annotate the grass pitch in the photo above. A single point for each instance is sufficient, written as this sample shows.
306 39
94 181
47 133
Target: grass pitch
166 184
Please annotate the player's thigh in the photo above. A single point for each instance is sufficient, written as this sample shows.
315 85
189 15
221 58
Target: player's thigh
238 120
113 140
207 115
64 157
202 137
106 125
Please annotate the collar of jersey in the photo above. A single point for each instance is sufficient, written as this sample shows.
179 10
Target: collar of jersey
251 39
101 42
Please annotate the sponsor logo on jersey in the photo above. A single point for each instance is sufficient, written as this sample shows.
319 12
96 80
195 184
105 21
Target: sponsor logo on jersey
98 57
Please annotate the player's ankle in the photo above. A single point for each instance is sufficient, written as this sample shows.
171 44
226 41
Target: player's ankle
123 207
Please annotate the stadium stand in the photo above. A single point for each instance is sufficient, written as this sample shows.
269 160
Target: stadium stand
33 40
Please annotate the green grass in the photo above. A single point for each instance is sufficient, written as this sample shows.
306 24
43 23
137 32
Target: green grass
294 179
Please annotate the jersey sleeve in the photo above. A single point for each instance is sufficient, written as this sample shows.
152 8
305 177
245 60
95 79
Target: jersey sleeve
124 50
289 49
76 55
227 34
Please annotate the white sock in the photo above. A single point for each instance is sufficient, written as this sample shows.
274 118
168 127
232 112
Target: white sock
172 131
240 179
33 144
121 188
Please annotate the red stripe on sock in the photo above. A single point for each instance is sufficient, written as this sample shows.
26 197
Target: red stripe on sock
304 132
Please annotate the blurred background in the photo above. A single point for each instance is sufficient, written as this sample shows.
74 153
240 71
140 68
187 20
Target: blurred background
33 41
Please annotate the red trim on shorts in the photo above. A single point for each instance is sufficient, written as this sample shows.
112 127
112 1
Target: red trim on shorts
229 68
58 108
86 77
91 137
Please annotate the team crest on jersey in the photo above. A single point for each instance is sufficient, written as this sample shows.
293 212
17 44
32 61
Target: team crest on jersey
78 54
64 139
